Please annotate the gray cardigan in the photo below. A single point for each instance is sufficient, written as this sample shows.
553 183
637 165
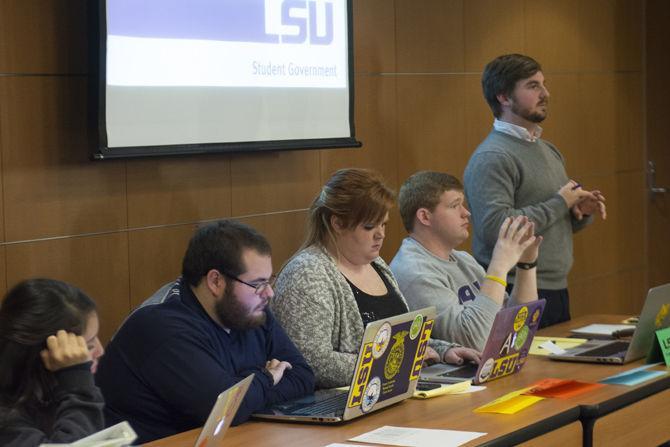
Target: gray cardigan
315 305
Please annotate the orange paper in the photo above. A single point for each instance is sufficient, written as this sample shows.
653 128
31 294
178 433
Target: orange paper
560 388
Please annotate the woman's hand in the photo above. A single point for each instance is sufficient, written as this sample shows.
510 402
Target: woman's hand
63 350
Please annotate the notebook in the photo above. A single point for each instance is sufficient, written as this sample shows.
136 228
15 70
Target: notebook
222 414
387 370
505 351
655 315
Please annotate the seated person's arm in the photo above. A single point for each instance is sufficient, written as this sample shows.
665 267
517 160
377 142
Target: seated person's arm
188 374
296 381
306 310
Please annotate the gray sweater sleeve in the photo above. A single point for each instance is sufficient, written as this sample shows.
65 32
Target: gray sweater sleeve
467 324
490 186
308 312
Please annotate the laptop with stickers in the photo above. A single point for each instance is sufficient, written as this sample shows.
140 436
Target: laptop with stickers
387 370
505 351
655 315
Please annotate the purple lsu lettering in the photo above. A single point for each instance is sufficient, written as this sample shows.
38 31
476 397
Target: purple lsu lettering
504 366
421 349
306 28
362 375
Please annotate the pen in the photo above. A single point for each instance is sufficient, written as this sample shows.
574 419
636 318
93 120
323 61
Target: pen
577 185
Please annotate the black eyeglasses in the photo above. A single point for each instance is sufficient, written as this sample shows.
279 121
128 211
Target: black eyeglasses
259 288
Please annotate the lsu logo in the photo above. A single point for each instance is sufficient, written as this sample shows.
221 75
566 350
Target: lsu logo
421 349
300 21
504 366
362 375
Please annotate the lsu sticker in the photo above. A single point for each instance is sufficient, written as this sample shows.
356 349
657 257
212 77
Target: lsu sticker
396 355
520 318
536 316
421 349
362 374
381 340
504 366
660 316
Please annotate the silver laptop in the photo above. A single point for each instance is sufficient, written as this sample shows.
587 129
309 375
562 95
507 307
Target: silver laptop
387 371
505 351
655 315
222 414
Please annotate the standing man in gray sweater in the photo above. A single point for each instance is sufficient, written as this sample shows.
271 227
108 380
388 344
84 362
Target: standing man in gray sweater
514 172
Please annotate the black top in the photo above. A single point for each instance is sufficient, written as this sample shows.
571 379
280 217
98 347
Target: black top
74 412
377 307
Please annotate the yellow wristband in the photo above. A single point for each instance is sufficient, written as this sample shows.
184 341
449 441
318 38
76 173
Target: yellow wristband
500 281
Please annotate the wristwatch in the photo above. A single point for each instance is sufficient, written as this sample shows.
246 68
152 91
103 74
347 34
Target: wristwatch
526 265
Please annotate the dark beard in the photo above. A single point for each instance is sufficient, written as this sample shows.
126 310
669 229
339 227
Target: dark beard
535 117
233 315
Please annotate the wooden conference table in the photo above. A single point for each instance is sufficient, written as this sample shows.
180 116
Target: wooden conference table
611 415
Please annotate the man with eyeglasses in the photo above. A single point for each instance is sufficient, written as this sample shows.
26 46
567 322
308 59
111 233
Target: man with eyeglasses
201 334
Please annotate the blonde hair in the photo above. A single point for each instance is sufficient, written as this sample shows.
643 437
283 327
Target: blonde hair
355 196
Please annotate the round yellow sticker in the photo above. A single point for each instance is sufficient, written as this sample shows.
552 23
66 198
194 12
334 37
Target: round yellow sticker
520 318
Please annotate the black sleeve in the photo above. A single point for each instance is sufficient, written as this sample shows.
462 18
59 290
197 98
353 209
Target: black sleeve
77 405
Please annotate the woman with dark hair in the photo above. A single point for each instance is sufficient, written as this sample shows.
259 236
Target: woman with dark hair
49 349
337 282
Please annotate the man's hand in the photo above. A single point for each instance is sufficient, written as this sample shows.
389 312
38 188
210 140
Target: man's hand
277 368
460 355
430 357
516 241
573 193
590 206
63 350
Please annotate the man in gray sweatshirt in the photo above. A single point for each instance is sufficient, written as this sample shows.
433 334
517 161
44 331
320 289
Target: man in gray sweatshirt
514 172
430 272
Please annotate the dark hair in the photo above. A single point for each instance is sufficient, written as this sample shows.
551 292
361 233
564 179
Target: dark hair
31 311
423 190
501 75
355 196
219 246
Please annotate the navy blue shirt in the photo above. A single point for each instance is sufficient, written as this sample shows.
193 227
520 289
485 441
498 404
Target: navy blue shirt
168 362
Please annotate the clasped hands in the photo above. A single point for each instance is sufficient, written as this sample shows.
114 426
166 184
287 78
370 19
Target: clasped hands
582 202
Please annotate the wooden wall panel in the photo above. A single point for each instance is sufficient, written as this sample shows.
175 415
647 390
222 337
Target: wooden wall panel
563 127
478 115
431 119
374 36
178 190
43 36
155 256
629 127
597 113
50 186
492 28
552 30
96 264
429 36
375 127
285 232
597 35
263 183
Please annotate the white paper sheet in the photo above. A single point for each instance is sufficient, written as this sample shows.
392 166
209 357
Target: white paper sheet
417 437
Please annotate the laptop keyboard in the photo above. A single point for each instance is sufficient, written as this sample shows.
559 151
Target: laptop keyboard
466 371
610 350
326 406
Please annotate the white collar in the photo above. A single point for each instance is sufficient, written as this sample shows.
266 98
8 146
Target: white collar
517 131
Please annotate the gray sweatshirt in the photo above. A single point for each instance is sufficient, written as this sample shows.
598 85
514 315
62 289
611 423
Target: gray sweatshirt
464 314
507 176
